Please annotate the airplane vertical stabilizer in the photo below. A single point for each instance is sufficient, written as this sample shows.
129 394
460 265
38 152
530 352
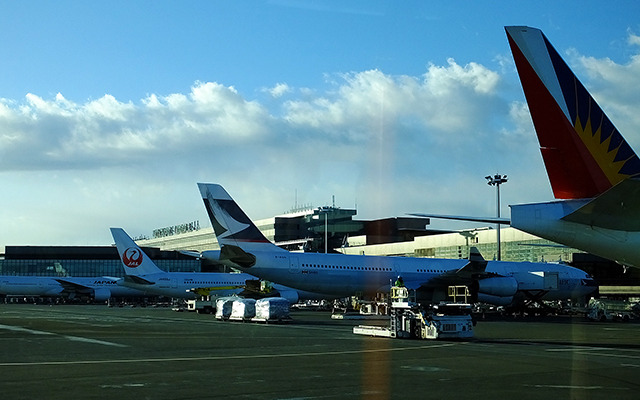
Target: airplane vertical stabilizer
134 260
230 224
584 153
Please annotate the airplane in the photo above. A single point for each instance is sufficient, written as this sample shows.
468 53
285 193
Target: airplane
243 246
141 273
594 173
97 288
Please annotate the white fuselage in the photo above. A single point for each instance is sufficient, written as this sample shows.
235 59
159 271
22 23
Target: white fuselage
179 284
100 288
346 275
544 220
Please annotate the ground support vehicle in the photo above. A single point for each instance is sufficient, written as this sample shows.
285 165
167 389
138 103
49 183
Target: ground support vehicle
267 310
609 310
408 320
203 305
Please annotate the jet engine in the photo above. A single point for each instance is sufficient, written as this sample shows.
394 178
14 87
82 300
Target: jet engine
101 294
498 291
290 295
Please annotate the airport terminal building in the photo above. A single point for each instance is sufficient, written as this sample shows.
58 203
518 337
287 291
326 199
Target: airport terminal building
83 261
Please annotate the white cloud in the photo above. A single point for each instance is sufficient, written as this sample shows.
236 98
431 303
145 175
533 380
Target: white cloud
447 99
279 90
107 108
633 39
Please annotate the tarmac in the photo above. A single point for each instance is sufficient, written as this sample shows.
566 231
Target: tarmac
96 352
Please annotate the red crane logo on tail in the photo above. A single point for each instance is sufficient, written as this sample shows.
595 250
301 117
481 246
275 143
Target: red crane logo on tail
132 257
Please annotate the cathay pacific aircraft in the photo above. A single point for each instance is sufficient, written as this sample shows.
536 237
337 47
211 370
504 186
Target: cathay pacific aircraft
141 273
243 246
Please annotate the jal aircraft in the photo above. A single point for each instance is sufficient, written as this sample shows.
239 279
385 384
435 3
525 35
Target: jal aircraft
594 173
98 288
141 273
243 246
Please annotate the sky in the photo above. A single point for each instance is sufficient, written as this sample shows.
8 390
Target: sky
112 111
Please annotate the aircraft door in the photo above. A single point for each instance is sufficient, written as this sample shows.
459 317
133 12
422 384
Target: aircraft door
550 281
294 265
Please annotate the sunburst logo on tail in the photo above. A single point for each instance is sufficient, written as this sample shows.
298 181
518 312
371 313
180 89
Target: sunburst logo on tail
604 142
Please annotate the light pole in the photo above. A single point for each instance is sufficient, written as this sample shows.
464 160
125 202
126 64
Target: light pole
322 210
496 181
325 232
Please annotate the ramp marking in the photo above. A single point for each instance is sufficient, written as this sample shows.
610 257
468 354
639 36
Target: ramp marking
72 338
226 357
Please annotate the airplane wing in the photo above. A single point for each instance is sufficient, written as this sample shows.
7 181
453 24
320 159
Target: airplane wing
74 287
235 255
617 208
490 220
194 254
473 270
206 291
138 280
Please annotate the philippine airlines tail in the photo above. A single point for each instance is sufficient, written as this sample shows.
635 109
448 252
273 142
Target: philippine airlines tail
236 233
134 261
583 152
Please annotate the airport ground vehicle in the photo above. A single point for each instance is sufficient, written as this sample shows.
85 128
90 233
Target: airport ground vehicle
408 320
269 309
202 305
609 310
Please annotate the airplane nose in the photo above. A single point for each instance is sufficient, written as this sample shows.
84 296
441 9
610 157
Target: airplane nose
588 286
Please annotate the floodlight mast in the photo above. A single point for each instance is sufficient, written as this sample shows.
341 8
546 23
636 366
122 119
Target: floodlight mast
325 211
496 181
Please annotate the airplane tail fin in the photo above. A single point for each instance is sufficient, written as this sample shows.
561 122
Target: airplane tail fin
583 152
134 261
231 225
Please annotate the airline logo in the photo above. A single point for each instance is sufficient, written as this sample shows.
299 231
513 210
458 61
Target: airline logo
132 257
230 222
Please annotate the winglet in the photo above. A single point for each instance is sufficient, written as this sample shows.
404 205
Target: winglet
134 260
584 153
476 265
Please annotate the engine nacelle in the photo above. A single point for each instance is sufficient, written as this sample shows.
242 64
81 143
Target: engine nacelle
101 294
500 287
290 295
495 300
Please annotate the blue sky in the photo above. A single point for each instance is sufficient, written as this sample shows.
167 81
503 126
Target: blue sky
110 112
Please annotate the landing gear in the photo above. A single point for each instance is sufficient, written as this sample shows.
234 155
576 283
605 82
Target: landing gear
533 304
